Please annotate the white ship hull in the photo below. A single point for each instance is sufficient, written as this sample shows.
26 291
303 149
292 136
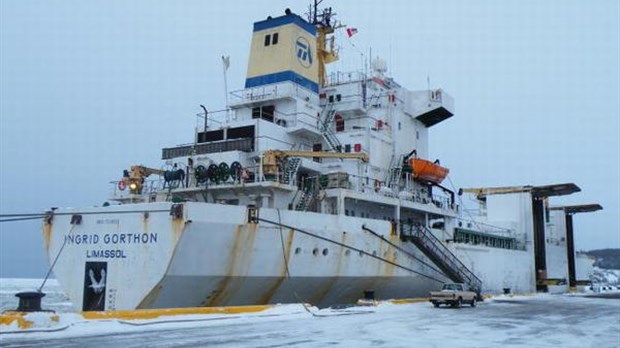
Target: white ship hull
212 256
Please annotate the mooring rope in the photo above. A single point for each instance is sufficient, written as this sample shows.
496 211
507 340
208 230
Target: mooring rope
49 271
352 248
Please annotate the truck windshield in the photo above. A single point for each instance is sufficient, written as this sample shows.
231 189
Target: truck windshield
450 287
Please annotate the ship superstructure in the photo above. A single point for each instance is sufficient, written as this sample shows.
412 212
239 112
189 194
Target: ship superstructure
310 187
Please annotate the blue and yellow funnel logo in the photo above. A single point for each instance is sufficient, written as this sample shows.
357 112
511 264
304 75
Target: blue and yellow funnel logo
284 49
304 52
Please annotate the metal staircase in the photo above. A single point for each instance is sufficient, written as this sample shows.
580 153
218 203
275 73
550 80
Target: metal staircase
327 116
307 198
290 171
396 171
441 256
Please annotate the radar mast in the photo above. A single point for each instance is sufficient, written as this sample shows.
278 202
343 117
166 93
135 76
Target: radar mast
322 19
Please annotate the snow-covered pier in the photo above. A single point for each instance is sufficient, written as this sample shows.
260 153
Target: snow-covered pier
539 320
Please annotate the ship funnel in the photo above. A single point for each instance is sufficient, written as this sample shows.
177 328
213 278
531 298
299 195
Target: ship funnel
283 49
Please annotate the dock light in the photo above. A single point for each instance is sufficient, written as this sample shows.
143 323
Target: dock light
133 186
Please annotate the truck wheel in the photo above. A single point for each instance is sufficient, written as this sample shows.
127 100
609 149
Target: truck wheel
459 303
436 304
473 302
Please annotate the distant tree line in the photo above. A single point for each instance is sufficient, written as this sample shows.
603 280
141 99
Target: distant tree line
606 258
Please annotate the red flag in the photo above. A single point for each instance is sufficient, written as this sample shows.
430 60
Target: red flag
351 31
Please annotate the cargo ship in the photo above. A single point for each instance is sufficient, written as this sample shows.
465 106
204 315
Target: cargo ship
311 186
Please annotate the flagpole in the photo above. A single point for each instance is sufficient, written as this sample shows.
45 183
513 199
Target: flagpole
225 64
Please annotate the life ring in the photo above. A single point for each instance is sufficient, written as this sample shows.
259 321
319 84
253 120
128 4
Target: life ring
122 185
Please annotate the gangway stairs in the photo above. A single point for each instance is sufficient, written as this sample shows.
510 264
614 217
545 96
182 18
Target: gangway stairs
331 139
441 256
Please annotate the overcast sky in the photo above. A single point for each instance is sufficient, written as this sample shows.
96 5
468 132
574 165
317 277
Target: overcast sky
88 88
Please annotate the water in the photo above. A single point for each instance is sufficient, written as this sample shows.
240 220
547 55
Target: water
54 299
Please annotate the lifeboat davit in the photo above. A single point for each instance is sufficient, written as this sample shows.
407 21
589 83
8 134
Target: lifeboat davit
428 171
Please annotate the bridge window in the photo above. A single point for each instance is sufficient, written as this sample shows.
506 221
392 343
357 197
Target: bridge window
274 39
240 132
265 112
267 39
210 136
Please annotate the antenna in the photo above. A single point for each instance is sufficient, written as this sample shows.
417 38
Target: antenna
428 85
325 26
225 65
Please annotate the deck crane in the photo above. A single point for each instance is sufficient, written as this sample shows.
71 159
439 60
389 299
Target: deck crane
135 177
271 157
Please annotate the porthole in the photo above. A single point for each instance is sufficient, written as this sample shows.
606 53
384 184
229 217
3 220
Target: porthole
374 253
347 252
297 251
325 252
361 253
315 251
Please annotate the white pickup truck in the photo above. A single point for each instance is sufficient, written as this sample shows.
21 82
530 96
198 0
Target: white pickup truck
454 295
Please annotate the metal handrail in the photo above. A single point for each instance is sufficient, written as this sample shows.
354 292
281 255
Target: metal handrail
449 257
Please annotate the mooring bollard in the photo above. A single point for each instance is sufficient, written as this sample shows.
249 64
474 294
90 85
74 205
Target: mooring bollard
30 301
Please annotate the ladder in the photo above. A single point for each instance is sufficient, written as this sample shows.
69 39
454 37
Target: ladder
396 171
327 116
290 171
307 198
309 192
441 256
332 140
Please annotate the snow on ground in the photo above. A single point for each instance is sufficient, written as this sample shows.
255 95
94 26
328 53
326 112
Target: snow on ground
532 321
605 277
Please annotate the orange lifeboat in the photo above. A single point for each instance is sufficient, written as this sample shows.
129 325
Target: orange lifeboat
428 171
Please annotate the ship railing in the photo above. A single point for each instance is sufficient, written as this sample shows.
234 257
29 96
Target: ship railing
373 187
296 119
215 119
486 228
339 78
347 103
425 236
149 187
268 92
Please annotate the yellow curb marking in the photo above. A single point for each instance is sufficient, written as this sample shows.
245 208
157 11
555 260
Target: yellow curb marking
155 313
408 300
8 317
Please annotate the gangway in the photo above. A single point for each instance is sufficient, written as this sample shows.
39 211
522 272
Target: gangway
441 256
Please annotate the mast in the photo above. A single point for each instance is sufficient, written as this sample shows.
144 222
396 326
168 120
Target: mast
322 20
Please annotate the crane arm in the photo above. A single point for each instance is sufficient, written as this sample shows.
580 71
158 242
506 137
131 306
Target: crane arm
142 171
483 191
